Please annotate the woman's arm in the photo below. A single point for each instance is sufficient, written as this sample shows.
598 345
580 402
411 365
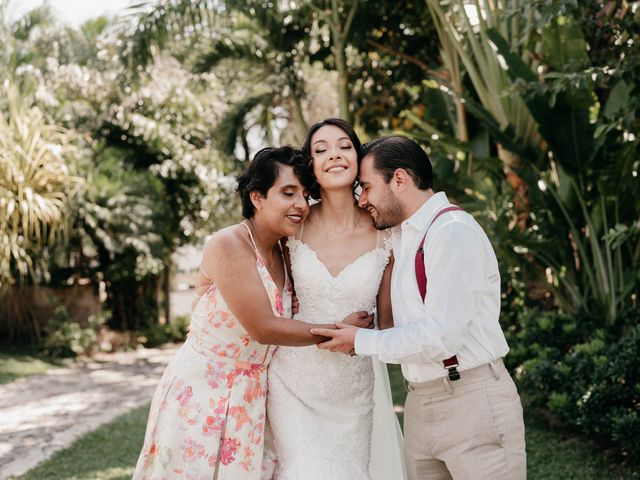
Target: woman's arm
229 260
385 314
287 263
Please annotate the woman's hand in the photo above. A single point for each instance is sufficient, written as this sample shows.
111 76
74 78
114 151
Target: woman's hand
359 319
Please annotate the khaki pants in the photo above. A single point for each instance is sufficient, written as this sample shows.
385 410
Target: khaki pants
470 429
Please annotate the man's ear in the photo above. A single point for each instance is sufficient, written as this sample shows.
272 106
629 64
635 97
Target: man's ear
400 179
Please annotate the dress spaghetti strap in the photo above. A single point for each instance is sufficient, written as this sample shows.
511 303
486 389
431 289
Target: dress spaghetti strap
253 242
204 273
258 255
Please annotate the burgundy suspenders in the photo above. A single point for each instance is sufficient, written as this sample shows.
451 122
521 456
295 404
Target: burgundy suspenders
450 364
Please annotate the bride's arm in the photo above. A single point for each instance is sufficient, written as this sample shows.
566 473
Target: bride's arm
231 264
385 314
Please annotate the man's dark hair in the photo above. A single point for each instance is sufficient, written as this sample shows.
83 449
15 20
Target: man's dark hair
391 153
263 172
314 191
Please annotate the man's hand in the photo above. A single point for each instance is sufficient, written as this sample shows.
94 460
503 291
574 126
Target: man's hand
359 319
342 338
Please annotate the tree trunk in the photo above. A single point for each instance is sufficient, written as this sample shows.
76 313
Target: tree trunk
343 82
166 288
301 124
133 304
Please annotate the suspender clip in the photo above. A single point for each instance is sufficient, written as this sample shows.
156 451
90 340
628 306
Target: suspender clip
452 364
454 374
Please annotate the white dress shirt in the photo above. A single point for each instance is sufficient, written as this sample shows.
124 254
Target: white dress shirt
460 315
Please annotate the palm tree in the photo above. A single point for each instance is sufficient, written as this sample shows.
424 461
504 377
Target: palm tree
261 45
36 185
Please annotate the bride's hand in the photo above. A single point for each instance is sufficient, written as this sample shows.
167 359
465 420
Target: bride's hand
359 319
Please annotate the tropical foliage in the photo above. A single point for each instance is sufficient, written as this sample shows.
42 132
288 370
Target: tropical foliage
567 165
120 141
145 180
36 186
549 160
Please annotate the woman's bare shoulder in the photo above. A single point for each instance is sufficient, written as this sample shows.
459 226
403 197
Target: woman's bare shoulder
230 240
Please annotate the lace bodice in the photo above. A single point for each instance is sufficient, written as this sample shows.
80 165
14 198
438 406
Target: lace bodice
324 297
320 403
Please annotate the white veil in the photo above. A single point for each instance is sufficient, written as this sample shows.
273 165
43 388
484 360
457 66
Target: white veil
387 445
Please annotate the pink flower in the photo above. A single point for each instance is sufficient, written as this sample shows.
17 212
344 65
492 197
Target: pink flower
192 450
246 462
184 396
279 302
228 450
215 375
212 425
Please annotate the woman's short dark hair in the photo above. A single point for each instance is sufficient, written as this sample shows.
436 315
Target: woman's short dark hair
391 153
314 190
263 172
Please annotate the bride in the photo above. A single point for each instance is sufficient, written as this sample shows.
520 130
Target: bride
326 420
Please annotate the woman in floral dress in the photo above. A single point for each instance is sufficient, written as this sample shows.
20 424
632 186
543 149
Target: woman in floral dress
207 416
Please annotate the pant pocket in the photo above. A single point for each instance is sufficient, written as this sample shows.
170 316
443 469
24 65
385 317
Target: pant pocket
496 402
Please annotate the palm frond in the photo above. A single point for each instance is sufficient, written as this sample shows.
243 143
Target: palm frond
235 121
229 45
160 22
36 186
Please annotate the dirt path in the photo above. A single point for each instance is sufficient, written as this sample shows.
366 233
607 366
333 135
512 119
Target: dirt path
42 414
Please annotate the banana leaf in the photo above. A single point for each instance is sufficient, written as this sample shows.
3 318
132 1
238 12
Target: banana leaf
564 126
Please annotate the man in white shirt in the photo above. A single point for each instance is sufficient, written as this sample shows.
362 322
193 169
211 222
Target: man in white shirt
463 416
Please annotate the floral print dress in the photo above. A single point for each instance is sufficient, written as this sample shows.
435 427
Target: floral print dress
207 416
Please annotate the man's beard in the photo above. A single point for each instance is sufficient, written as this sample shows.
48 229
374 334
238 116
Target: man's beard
389 212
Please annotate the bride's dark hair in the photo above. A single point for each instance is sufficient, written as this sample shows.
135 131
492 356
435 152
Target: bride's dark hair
314 189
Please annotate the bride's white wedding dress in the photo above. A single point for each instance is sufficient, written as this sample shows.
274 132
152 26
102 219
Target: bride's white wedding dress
321 406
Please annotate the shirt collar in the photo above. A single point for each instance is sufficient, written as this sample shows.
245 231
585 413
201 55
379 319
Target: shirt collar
421 217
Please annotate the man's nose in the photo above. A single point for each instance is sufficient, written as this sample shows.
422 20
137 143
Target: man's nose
362 201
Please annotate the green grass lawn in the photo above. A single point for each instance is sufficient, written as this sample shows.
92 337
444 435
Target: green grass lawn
110 452
24 362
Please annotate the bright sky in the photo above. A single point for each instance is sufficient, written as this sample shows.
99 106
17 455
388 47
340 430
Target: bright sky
73 12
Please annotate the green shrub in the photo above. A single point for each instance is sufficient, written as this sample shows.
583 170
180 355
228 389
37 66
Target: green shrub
161 333
65 338
610 405
583 372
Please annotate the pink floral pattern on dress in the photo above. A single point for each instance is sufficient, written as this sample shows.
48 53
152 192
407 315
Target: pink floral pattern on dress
208 412
228 450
